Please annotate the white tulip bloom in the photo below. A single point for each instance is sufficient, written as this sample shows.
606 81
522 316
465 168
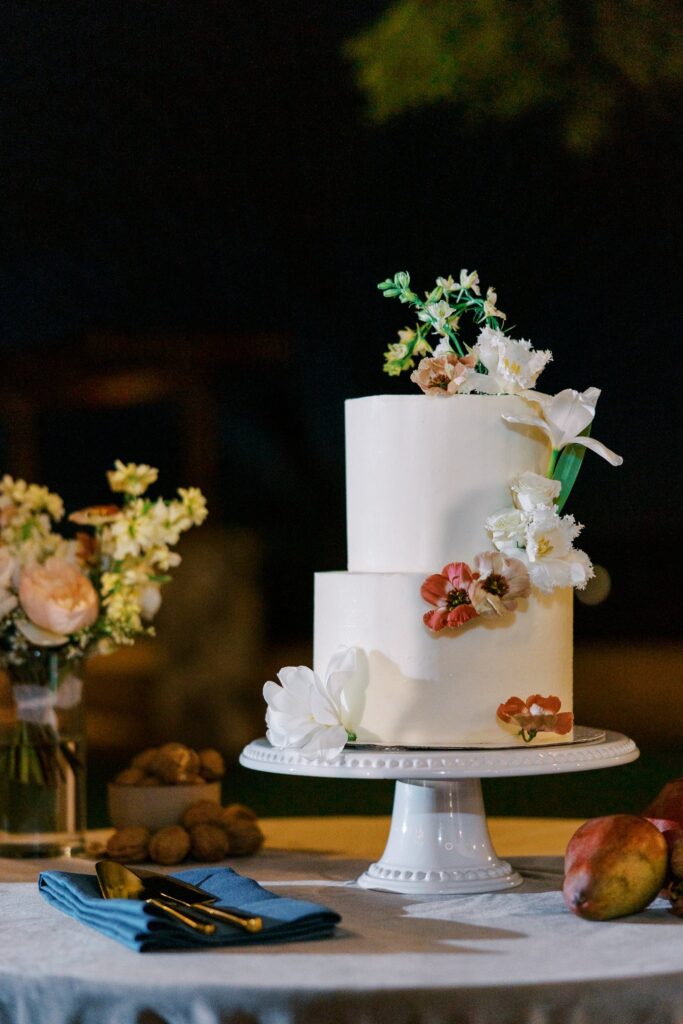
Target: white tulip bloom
551 558
513 366
563 417
308 714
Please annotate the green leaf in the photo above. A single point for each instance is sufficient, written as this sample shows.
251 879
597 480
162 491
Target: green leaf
568 466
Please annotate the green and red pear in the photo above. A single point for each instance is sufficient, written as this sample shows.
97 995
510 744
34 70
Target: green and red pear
614 866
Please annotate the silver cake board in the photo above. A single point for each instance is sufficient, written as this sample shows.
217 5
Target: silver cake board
439 842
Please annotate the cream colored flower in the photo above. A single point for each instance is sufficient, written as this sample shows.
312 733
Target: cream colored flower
131 478
438 314
563 417
513 366
551 558
531 490
195 504
470 281
508 530
309 714
447 284
490 305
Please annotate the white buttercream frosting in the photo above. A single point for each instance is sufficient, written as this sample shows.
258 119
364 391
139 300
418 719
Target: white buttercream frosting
417 688
423 474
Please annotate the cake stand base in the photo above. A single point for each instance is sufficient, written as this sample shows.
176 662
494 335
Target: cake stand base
439 841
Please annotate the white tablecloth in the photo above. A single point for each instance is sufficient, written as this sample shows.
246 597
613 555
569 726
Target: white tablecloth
506 958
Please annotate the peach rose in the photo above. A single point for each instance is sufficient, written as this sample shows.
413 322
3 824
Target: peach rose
57 596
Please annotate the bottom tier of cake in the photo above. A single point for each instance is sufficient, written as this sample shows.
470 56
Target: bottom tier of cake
417 688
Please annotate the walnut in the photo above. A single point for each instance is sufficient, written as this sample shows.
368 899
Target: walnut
244 837
174 762
169 845
209 842
129 844
151 780
130 777
211 764
234 811
204 812
145 759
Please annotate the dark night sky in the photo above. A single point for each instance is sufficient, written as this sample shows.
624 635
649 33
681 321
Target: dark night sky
193 166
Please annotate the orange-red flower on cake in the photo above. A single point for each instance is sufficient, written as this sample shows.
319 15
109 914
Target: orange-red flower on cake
538 714
449 592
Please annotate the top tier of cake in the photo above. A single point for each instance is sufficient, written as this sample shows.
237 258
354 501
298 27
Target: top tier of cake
423 474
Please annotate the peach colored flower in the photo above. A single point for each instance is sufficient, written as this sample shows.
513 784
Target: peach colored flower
538 714
95 515
498 582
449 591
443 375
58 597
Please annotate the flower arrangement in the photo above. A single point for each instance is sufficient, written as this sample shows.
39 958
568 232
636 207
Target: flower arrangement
532 542
63 599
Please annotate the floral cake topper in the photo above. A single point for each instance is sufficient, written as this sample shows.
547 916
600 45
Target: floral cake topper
533 543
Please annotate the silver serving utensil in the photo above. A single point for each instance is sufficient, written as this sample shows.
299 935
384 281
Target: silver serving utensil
194 898
118 883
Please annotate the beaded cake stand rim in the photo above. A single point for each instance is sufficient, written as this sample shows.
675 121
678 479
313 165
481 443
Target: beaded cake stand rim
607 750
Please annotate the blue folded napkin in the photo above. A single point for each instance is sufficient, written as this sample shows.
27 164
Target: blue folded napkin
144 928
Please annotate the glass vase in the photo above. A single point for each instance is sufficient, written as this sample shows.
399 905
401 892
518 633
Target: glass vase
42 758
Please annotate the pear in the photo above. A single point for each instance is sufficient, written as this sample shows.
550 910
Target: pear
614 866
668 803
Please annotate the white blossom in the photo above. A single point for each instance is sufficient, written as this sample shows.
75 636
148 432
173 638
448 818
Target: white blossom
310 715
551 558
470 281
513 366
563 417
438 314
131 478
508 529
531 490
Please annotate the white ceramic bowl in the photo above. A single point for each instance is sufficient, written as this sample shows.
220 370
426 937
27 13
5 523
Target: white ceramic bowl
155 806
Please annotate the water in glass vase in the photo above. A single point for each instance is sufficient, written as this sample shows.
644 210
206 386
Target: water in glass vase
42 758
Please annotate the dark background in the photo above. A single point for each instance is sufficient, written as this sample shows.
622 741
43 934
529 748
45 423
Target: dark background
206 168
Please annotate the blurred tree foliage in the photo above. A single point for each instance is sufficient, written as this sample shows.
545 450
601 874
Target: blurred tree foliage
502 59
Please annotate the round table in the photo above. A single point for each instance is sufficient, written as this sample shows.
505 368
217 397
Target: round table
505 957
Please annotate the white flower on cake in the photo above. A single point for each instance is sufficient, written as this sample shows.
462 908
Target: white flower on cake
309 714
513 366
447 284
563 417
531 491
550 556
508 529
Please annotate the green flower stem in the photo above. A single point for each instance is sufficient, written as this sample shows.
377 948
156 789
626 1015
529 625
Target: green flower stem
351 736
553 462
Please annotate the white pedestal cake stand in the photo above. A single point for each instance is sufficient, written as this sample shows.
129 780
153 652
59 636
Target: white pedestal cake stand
439 840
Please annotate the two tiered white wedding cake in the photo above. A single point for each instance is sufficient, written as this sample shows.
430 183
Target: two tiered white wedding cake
457 602
422 476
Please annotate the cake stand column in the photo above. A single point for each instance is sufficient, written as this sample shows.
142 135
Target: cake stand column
439 842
